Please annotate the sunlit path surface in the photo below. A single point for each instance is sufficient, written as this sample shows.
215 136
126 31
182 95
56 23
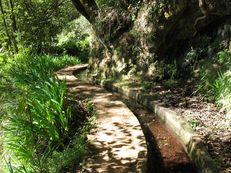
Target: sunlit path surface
117 141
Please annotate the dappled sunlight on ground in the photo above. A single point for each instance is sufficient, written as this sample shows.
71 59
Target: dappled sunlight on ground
117 143
117 137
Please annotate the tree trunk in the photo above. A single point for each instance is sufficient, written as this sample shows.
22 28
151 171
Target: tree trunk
5 26
91 7
14 26
88 8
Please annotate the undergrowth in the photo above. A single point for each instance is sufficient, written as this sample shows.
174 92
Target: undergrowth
37 121
215 83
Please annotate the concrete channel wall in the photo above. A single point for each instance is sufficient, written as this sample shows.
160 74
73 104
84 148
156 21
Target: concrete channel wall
192 142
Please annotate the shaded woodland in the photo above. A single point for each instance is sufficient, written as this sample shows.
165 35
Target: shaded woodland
176 51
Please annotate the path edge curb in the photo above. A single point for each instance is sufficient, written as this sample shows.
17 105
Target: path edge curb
192 142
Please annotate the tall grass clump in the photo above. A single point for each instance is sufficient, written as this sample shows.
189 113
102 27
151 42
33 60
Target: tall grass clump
38 121
215 84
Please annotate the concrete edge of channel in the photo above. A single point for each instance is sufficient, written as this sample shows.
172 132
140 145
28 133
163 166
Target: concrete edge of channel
192 142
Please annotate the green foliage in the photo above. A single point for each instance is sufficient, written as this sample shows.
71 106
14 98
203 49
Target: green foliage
171 70
224 58
110 3
29 68
34 24
75 153
217 86
41 22
146 85
75 38
90 107
194 123
159 8
37 121
168 71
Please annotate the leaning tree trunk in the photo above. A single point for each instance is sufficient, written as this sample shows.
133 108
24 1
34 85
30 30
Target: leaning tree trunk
88 8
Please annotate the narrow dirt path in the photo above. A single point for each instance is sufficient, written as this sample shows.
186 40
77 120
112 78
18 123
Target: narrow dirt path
117 141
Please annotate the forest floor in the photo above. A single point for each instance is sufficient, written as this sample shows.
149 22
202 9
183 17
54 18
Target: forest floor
205 118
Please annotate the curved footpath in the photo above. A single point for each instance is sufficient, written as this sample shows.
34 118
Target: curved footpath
117 140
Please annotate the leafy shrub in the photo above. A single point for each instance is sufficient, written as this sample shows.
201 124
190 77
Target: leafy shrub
146 85
75 38
167 71
217 86
75 153
38 30
27 68
38 120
